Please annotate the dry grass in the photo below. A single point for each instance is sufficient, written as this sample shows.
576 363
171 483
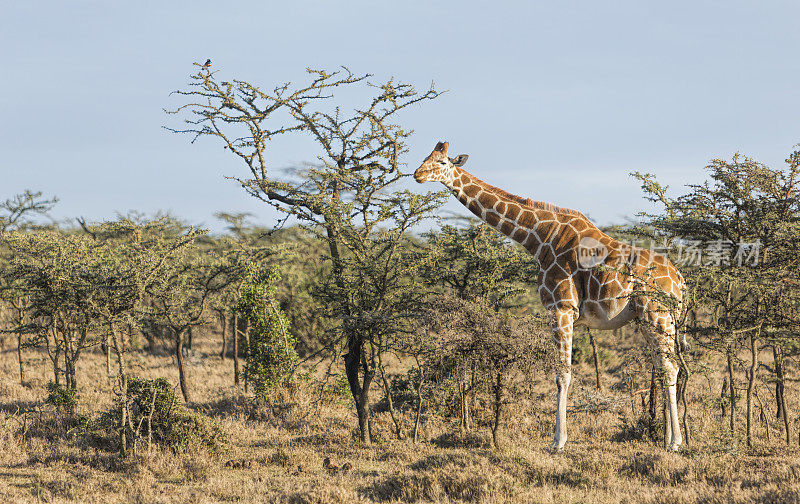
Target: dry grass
275 454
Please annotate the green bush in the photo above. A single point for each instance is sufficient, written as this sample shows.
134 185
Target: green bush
272 356
155 415
63 398
337 388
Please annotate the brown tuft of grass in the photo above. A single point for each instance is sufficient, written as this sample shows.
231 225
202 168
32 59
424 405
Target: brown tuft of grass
459 439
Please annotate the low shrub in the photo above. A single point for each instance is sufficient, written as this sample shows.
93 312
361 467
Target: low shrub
63 398
154 416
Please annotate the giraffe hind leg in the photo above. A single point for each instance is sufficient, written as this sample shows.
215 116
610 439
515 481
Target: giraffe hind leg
661 332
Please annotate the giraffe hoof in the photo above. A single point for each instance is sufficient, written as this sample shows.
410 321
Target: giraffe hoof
555 447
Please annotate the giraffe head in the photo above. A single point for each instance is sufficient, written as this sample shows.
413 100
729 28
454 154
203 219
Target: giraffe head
438 167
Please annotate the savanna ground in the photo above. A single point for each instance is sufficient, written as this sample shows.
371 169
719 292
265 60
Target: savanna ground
282 447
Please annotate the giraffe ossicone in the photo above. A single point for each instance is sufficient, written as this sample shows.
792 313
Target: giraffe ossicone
585 276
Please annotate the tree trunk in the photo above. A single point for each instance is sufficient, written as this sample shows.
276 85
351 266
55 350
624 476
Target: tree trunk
56 364
53 351
362 410
398 429
777 358
463 388
67 383
651 409
181 369
19 359
69 361
683 383
364 420
732 392
123 434
108 356
189 337
723 397
471 393
352 360
762 415
418 415
20 319
246 354
119 349
236 349
751 377
224 323
73 383
780 390
596 359
785 416
498 407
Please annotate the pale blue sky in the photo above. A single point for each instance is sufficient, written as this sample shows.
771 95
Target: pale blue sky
557 101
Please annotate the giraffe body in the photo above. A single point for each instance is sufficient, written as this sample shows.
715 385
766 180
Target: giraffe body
586 277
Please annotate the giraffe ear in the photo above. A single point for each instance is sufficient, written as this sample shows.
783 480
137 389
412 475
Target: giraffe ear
459 160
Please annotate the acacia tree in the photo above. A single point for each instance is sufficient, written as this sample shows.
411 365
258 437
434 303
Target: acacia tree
475 263
83 284
132 254
349 197
180 299
16 211
746 220
55 272
15 214
496 344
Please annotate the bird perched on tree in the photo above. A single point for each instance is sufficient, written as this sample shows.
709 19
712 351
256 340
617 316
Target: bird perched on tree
207 63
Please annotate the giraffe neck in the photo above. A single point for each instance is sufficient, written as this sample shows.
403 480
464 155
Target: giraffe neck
530 223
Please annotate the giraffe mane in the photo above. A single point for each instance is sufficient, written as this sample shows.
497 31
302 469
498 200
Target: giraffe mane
537 205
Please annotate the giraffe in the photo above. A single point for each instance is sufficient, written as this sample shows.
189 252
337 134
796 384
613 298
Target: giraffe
585 276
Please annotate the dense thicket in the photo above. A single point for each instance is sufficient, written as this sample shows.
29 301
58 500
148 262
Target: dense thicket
734 237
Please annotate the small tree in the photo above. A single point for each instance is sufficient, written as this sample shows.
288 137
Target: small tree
349 198
16 211
475 262
497 345
15 214
271 356
179 301
56 271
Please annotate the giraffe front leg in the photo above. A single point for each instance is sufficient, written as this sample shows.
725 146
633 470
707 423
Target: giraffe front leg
674 430
664 335
562 334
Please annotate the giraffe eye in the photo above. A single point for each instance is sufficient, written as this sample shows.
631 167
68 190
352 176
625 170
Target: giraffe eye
442 162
